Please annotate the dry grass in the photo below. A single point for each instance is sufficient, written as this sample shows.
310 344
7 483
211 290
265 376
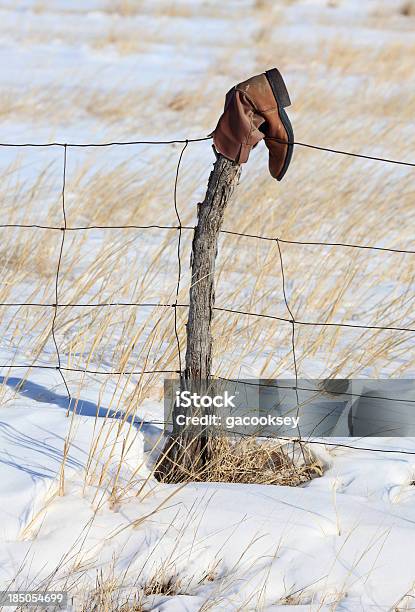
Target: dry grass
107 596
408 9
250 462
141 266
243 461
348 92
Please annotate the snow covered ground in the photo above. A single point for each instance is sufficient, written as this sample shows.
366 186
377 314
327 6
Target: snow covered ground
78 504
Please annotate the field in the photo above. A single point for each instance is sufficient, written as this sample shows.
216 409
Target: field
79 507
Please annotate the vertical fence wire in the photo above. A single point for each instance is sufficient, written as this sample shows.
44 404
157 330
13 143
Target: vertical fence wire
287 305
64 228
292 319
58 268
179 261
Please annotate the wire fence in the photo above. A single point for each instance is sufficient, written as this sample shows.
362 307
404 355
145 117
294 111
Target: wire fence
64 228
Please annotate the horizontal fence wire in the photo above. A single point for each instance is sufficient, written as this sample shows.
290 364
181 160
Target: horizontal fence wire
81 145
316 390
175 305
201 139
308 441
31 366
223 231
301 440
64 228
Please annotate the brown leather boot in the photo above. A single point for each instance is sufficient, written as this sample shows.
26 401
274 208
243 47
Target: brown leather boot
254 110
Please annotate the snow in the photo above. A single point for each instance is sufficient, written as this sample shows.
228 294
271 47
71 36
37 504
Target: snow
76 492
345 531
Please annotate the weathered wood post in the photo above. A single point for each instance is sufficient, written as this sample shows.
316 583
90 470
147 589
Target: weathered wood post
254 110
185 452
222 182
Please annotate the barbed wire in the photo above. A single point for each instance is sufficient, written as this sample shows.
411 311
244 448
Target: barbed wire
64 228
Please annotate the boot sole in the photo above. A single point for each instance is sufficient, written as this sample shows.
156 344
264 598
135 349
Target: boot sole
282 99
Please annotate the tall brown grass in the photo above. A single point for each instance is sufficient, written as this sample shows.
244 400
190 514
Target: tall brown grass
347 91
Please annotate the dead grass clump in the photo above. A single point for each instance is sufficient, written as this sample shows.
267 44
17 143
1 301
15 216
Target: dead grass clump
408 9
182 102
108 595
249 461
268 4
107 600
126 8
162 583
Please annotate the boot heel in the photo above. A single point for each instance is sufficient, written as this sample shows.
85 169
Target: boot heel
278 87
282 99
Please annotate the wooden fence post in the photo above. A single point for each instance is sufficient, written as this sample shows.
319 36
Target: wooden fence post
185 452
